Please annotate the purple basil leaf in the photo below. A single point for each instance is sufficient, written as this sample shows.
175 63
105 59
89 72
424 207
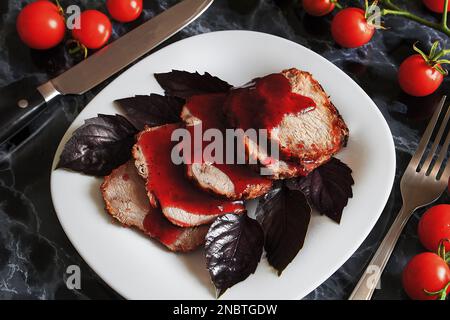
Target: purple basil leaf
284 215
185 84
99 145
234 245
327 188
153 110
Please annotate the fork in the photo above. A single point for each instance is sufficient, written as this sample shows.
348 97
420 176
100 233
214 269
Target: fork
420 186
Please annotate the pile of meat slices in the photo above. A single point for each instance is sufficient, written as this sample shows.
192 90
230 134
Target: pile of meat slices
176 204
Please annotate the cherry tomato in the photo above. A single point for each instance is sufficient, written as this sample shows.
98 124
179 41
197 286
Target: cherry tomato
417 77
124 10
95 29
435 5
435 226
318 8
40 25
350 29
425 271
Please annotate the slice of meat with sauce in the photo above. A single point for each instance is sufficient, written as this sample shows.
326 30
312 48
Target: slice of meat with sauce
298 115
182 202
126 200
234 181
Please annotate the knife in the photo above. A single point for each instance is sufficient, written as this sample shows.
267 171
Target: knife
100 66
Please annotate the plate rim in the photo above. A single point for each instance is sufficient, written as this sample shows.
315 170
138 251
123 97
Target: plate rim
362 236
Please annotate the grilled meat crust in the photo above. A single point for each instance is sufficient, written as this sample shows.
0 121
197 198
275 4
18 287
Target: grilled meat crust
306 140
126 201
177 215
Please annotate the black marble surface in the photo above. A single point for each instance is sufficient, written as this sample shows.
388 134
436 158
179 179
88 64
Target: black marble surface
35 252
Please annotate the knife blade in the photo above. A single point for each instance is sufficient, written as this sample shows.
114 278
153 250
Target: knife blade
101 65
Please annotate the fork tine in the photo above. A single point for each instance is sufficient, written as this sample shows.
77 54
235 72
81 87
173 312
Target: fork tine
441 158
427 135
446 174
427 165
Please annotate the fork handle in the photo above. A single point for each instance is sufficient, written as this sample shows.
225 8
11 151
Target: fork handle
369 280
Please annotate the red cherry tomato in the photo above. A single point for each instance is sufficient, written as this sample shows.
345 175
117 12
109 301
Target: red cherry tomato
417 77
95 29
318 8
124 10
350 29
435 226
425 271
40 25
435 5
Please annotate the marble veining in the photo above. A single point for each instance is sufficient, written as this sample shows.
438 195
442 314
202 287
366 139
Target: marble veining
34 251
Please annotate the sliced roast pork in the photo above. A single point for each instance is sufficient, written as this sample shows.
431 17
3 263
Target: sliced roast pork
234 181
126 200
298 116
182 202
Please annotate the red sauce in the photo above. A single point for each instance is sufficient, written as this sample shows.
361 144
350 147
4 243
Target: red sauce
126 177
264 104
157 226
168 181
209 109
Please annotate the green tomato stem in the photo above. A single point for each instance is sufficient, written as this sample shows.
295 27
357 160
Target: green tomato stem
413 17
392 9
441 294
390 5
337 4
444 16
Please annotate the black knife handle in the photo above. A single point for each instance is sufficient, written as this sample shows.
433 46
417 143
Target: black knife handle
19 110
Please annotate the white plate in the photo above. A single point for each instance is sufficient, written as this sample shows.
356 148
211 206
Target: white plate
139 268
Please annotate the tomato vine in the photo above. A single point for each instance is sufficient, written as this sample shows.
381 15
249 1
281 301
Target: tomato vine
389 8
